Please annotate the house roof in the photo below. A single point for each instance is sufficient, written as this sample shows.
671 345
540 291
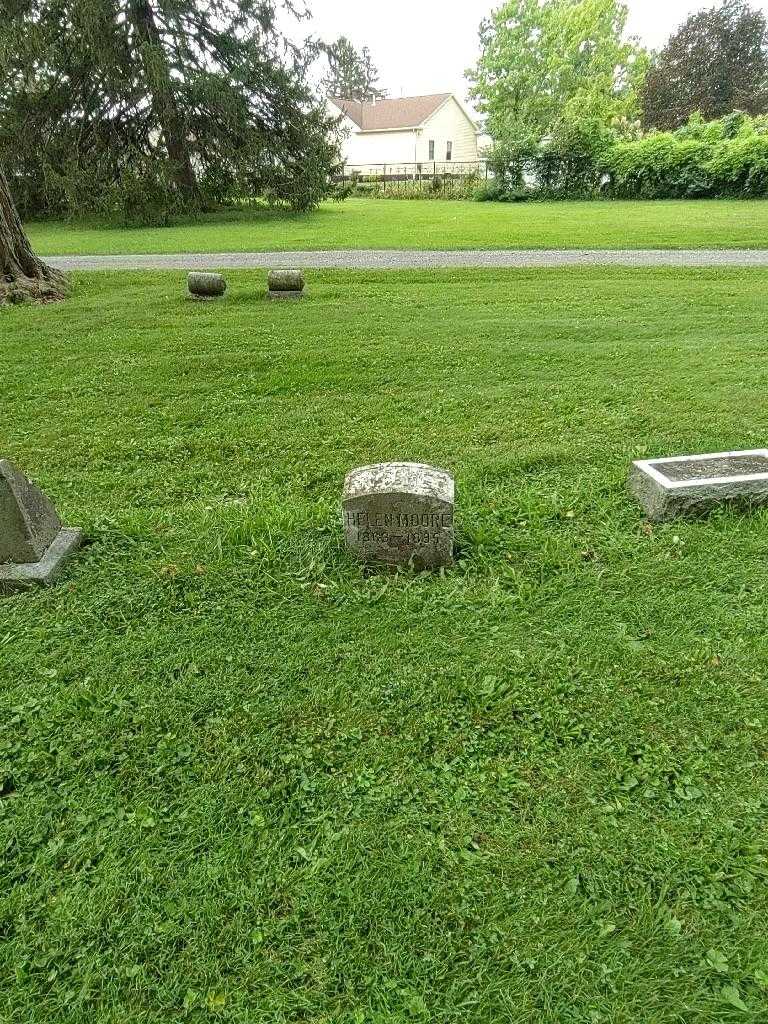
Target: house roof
383 115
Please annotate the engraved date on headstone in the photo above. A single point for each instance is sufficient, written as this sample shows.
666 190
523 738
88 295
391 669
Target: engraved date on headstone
399 513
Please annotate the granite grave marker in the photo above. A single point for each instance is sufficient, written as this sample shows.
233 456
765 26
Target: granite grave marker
399 514
33 543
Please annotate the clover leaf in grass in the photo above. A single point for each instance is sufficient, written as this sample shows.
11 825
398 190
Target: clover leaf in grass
731 995
717 960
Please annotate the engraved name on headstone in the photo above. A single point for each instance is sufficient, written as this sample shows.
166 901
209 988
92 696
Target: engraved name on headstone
399 513
694 484
33 543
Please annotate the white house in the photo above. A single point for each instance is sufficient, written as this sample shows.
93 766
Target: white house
432 131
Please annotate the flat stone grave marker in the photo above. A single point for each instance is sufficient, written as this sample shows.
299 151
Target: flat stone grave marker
33 543
203 285
399 514
695 484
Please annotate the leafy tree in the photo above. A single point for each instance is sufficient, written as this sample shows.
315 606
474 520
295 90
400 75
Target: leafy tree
716 62
22 274
350 74
157 105
557 71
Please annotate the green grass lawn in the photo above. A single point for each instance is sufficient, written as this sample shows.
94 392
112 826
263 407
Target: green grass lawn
243 781
424 224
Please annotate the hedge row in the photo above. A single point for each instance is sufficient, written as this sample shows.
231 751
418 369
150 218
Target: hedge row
726 158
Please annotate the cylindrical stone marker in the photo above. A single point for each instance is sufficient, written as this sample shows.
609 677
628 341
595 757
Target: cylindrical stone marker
206 286
285 284
399 514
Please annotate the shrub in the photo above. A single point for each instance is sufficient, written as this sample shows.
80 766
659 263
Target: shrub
494 191
724 158
482 193
727 157
544 172
342 190
739 167
448 187
659 166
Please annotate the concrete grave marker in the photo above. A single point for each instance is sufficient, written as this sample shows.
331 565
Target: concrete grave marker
399 513
205 286
694 484
285 284
33 543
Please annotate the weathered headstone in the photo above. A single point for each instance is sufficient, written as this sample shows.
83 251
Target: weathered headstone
205 286
285 284
694 484
33 543
399 513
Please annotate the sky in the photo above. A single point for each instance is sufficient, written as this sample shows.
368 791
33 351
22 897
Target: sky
424 46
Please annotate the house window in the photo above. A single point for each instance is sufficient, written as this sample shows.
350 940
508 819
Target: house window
449 151
431 149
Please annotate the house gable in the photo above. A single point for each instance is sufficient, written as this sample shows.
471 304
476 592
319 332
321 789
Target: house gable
450 100
390 132
449 128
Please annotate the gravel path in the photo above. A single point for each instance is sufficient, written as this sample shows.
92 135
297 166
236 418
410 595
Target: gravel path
394 259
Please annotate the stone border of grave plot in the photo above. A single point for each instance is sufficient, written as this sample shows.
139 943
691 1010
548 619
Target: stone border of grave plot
664 498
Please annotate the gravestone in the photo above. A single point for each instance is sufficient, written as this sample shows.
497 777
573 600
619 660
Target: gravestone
285 284
695 484
399 514
33 543
205 286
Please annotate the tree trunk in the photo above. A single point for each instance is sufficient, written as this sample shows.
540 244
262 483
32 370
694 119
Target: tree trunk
22 274
164 104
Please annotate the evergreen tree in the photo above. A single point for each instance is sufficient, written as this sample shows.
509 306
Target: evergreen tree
22 274
371 77
351 75
156 105
715 63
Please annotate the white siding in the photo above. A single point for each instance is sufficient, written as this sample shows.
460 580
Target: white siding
367 148
347 129
448 124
